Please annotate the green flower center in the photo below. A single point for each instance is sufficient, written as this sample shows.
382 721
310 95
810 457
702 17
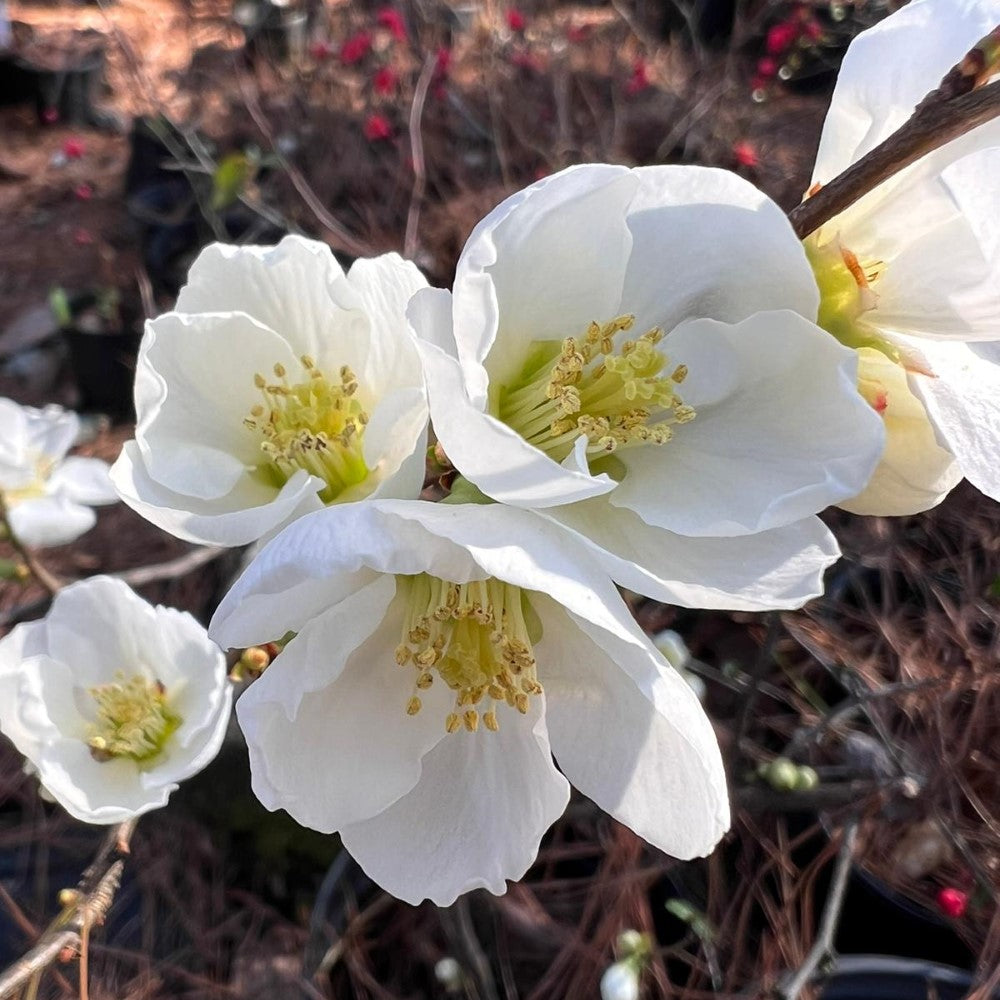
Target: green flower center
477 638
315 424
36 488
846 296
611 392
134 720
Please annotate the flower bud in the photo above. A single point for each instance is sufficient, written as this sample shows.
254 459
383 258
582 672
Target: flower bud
620 982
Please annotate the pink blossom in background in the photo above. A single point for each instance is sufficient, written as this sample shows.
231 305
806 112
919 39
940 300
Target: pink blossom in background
767 68
355 48
952 902
745 155
385 80
84 192
516 21
639 80
377 128
74 149
320 50
389 17
781 37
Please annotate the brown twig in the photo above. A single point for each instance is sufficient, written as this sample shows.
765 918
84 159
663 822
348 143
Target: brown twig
417 152
945 114
89 904
172 569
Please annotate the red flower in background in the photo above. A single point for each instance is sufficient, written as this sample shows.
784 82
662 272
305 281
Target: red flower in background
73 149
745 155
83 237
781 38
389 17
952 902
767 68
639 80
50 116
516 21
812 29
84 192
355 48
442 64
577 33
384 81
377 128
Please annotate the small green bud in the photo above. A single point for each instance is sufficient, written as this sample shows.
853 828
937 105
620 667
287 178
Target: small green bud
806 780
782 775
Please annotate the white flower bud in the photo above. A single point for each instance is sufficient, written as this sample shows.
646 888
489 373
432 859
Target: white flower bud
620 982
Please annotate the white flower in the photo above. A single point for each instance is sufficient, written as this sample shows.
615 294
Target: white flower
620 981
47 495
112 701
694 453
911 272
443 654
278 385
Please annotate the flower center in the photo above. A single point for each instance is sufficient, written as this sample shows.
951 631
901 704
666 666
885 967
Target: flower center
315 424
477 637
613 394
846 295
133 719
43 467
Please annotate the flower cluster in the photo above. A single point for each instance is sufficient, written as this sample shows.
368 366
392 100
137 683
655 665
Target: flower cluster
632 381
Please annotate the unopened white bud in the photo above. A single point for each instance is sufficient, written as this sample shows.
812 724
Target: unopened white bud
448 973
673 647
620 982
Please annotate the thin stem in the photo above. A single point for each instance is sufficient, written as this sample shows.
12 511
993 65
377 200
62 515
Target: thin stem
823 946
48 580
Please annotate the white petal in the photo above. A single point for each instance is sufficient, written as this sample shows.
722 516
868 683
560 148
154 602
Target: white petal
543 265
780 433
52 430
915 472
889 68
491 455
84 480
963 401
194 388
780 568
384 286
22 642
326 555
50 521
630 733
695 233
474 819
244 515
395 445
330 740
99 626
296 288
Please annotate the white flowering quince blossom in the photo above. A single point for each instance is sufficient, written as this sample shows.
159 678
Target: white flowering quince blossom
910 274
631 352
443 654
47 495
279 384
111 700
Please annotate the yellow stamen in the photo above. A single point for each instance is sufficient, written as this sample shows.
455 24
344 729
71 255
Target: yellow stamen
582 386
476 637
315 425
134 720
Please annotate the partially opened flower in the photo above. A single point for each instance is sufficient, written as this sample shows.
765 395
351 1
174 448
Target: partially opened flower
47 495
443 654
910 274
278 385
614 354
112 701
